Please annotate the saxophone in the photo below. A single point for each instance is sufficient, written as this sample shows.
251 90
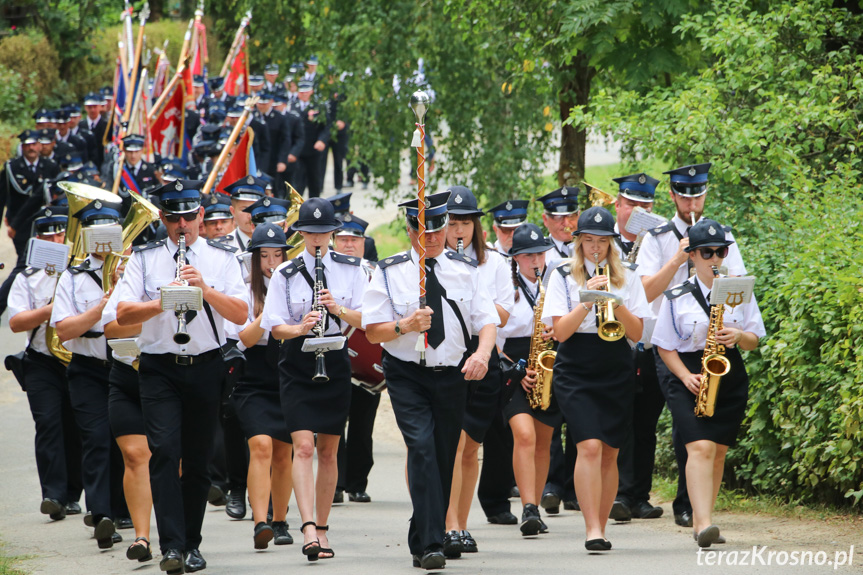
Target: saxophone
714 364
541 357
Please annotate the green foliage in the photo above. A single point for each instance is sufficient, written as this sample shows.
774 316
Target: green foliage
391 238
17 98
34 62
778 113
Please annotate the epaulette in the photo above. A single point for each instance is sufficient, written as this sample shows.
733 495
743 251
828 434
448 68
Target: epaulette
221 246
664 228
343 259
462 258
29 271
74 270
564 270
292 267
223 239
393 260
677 291
149 246
631 266
727 229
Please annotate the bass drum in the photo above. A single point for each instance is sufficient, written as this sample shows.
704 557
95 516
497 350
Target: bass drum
366 370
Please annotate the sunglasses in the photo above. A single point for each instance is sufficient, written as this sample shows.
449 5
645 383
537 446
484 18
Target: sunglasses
174 218
707 253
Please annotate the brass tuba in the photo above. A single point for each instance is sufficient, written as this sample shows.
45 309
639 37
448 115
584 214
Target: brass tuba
714 364
541 357
597 197
294 239
141 214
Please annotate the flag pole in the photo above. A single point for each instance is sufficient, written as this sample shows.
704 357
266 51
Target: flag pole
223 155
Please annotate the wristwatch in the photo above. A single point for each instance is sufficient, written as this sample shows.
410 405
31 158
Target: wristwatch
342 311
398 327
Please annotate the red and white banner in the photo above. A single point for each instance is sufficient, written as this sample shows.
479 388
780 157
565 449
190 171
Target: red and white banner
166 129
237 79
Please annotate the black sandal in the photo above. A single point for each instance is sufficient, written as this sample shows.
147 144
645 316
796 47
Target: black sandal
140 552
330 552
312 548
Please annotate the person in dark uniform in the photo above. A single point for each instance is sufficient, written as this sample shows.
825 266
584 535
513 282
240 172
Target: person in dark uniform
180 382
681 335
76 129
58 442
429 393
218 219
280 140
342 206
311 407
64 134
139 175
508 216
340 134
76 316
593 377
531 428
271 77
316 135
96 125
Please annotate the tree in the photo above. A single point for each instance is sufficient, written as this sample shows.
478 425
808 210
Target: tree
69 25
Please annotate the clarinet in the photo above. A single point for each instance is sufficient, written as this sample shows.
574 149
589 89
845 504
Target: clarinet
182 336
320 365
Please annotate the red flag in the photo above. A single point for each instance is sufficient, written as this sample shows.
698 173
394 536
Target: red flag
237 80
166 129
199 51
187 82
241 162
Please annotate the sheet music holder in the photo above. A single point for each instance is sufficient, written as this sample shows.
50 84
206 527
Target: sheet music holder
48 256
592 295
125 346
732 291
641 221
103 239
181 298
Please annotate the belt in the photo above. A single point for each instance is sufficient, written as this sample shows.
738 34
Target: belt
186 359
91 361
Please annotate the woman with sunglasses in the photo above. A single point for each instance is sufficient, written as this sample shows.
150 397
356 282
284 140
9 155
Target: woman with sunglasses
680 336
532 429
594 379
257 401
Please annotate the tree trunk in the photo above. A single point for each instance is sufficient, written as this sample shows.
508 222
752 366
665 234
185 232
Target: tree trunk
157 10
575 91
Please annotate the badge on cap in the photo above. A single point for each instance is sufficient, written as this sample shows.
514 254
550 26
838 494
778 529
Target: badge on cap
271 233
691 171
534 235
266 202
348 218
98 205
47 213
24 180
642 179
169 167
564 192
458 199
508 206
711 230
250 180
598 217
337 203
68 157
427 203
214 200
178 186
317 213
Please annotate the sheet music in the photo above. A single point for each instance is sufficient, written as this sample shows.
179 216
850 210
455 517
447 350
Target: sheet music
732 291
125 346
640 220
103 239
182 298
47 256
245 260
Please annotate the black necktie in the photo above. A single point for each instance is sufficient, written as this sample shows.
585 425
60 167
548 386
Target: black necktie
626 247
190 315
434 296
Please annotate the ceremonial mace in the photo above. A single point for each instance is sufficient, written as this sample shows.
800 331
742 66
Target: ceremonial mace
420 103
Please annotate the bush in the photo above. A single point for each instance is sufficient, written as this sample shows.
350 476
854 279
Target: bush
17 98
35 62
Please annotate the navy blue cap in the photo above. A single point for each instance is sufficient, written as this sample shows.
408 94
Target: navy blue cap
707 234
271 68
99 212
509 214
280 98
294 68
216 115
51 220
352 226
596 221
268 235
133 143
268 209
107 91
341 203
247 188
462 202
256 80
312 61
689 180
305 86
29 136
436 215
316 215
61 115
562 201
43 116
528 239
179 197
235 111
89 169
71 161
94 99
73 109
264 96
217 206
217 83
198 81
46 136
172 169
637 187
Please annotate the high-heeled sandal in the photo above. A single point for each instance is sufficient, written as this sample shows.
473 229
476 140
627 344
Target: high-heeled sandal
327 550
140 552
312 548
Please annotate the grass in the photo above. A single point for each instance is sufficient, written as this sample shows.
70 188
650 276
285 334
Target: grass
391 238
8 565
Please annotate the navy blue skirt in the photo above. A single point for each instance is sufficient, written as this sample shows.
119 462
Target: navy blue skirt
256 397
519 348
124 401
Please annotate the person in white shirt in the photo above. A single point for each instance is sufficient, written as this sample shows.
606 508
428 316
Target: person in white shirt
681 336
244 192
594 377
507 216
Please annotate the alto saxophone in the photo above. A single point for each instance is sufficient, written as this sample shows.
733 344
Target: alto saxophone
714 364
541 357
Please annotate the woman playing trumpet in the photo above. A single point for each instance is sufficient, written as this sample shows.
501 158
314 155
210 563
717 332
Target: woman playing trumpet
594 378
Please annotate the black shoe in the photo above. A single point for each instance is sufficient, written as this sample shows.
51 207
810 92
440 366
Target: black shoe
644 510
236 505
469 542
116 538
452 545
360 497
432 560
88 520
194 561
172 562
530 520
73 508
514 492
620 511
216 496
550 502
683 519
140 552
281 536
339 496
53 508
123 523
104 533
572 505
597 545
263 535
348 185
543 528
504 518
707 536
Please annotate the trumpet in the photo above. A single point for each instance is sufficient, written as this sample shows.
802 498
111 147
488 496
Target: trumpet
610 329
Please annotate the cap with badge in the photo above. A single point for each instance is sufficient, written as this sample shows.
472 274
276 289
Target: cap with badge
562 201
268 235
172 170
264 96
305 86
352 226
51 220
596 221
268 209
509 214
341 203
528 239
217 83
256 80
197 81
217 206
271 68
235 111
707 234
98 213
462 202
179 197
689 180
247 188
436 215
312 61
43 116
73 109
46 136
637 187
94 99
29 136
133 143
316 216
